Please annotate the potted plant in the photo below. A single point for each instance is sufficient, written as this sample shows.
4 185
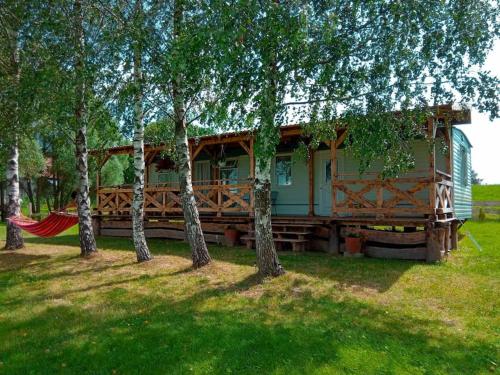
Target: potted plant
232 235
354 242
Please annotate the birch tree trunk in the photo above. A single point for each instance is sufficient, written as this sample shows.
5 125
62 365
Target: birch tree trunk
87 241
14 238
141 247
194 233
267 258
267 139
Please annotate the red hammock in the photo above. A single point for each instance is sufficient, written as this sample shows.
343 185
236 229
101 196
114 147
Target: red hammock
52 225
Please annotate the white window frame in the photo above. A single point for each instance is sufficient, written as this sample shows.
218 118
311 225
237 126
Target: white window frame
288 155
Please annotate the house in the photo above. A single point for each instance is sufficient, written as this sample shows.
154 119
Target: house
315 202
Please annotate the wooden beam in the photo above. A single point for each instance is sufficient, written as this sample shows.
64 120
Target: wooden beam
310 169
341 138
197 150
149 156
103 161
244 147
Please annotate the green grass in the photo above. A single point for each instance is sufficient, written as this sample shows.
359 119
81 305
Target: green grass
482 193
327 315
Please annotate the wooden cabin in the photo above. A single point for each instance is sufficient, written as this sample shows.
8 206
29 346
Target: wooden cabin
315 202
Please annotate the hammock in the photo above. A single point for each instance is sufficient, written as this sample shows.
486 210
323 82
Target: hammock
52 225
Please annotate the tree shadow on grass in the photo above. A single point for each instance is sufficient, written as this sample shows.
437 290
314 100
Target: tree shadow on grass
14 260
233 334
376 274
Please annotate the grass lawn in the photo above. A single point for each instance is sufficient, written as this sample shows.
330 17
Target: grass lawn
481 193
108 314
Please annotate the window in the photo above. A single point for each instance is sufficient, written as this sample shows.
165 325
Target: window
328 171
229 172
201 172
284 170
464 166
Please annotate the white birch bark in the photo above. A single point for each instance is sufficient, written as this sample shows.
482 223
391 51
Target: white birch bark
267 258
192 224
86 234
14 238
140 244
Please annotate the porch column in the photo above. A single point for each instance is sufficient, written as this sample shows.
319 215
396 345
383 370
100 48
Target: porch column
333 174
252 176
334 144
310 167
431 135
97 183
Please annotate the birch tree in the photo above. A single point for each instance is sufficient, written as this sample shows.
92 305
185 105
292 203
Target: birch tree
86 234
263 67
12 16
194 233
126 40
140 244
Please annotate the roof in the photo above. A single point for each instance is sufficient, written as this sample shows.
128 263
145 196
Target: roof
456 116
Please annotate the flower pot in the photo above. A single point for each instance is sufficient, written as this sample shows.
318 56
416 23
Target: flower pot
353 244
232 236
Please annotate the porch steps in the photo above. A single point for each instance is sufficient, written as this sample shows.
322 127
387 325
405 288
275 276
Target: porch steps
297 235
297 245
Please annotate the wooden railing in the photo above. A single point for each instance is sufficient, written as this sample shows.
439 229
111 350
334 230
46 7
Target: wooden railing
443 194
216 197
389 197
399 197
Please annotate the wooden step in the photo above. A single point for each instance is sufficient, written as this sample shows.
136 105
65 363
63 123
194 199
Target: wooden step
297 244
285 232
294 225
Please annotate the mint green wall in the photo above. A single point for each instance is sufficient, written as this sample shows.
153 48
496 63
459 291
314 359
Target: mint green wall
462 189
294 199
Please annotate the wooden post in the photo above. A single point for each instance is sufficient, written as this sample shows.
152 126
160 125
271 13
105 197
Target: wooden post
447 238
432 167
252 177
435 243
454 235
310 168
334 239
97 183
219 198
333 174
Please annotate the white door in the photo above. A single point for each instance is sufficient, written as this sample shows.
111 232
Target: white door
325 197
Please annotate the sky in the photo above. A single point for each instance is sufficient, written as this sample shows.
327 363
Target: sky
485 134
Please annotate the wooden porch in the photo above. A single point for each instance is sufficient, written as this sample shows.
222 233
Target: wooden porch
419 202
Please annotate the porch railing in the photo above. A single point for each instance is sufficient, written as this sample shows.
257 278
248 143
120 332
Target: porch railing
216 197
398 197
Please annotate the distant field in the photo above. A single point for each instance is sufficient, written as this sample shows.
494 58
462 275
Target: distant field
481 193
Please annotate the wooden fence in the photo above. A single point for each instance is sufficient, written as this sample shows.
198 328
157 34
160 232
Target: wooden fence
216 197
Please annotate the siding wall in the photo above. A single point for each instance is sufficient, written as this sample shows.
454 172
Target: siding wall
462 175
294 199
